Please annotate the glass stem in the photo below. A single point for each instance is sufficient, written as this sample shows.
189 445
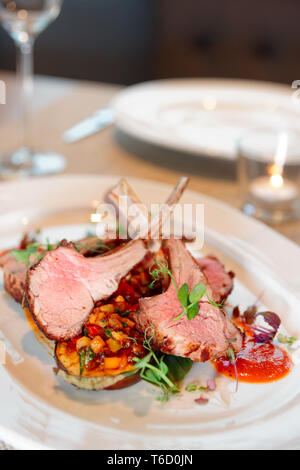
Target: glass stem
25 78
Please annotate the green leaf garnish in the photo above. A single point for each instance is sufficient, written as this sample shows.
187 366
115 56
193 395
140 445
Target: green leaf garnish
85 356
197 293
98 248
21 256
232 359
82 360
108 332
178 366
192 311
286 339
183 295
191 387
154 369
32 253
188 300
124 314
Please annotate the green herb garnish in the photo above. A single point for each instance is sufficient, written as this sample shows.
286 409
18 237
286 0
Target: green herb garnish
132 339
286 339
32 253
178 367
154 369
191 387
125 314
232 359
82 360
188 300
98 248
108 332
85 356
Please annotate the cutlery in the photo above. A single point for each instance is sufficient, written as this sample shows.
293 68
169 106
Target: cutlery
98 121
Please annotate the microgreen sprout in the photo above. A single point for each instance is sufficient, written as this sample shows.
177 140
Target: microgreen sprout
189 300
108 332
98 248
154 369
232 359
286 339
191 387
85 356
32 253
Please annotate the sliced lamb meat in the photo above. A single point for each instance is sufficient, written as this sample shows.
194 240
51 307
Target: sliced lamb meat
219 280
208 335
62 288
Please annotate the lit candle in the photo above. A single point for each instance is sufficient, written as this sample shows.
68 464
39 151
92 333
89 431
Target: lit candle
273 189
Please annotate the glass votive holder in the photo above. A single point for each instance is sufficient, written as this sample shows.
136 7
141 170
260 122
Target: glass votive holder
269 174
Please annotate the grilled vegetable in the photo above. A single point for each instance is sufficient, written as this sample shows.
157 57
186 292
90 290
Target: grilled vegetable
99 378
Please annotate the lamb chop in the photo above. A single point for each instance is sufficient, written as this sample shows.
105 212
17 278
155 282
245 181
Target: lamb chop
208 335
14 270
63 287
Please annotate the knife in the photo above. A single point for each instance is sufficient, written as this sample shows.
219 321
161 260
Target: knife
98 121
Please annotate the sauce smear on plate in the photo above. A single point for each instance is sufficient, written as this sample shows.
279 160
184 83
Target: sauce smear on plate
257 363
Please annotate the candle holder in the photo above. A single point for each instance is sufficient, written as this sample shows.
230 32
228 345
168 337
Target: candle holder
269 174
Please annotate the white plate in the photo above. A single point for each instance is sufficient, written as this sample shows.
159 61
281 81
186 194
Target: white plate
203 116
37 410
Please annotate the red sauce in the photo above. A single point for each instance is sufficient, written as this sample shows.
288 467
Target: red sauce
257 363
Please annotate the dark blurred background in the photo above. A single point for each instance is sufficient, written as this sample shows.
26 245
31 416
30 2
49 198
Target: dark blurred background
128 41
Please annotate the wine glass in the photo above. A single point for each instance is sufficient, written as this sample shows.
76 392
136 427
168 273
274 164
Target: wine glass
24 20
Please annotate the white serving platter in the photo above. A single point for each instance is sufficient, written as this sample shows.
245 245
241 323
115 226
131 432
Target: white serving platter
38 410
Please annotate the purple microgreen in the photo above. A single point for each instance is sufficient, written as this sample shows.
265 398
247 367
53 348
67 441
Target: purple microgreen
262 334
271 318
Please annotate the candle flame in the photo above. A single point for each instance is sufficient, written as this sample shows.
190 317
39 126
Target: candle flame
96 218
276 180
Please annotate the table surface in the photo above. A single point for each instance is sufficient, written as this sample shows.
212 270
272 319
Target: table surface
60 103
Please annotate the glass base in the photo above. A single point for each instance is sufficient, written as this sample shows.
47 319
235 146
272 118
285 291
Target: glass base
25 162
271 215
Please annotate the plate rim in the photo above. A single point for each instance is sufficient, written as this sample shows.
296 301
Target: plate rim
125 122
